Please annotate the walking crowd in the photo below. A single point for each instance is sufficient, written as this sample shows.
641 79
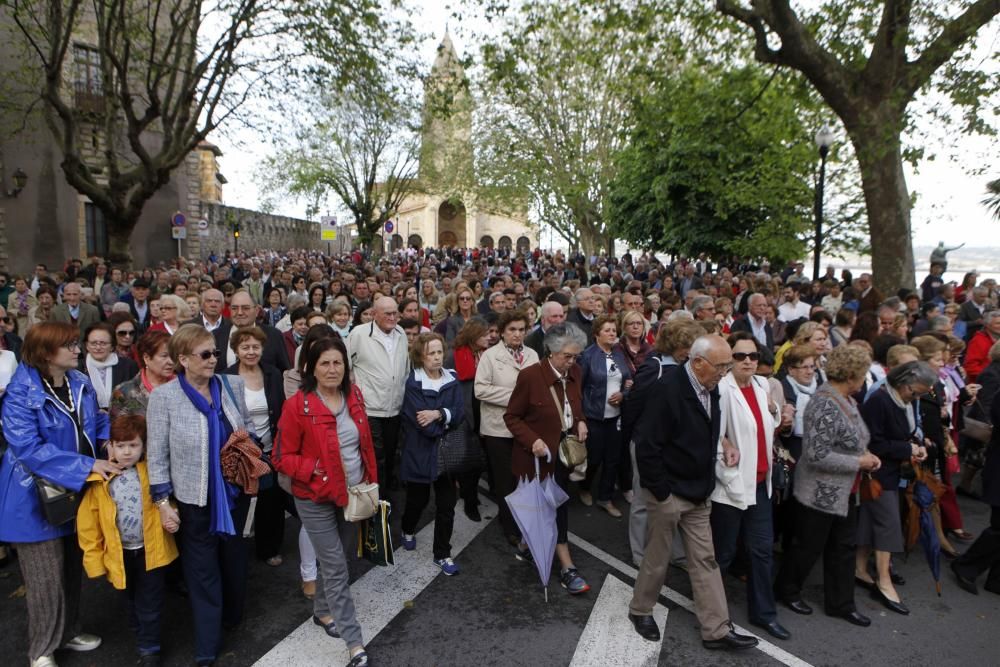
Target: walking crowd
152 419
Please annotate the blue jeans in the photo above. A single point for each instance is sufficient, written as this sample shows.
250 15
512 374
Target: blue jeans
144 592
754 525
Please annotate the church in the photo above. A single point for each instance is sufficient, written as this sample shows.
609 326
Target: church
445 210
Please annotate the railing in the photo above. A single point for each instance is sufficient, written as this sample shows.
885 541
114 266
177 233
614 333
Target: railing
89 97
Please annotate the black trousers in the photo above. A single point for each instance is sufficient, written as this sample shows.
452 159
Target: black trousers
604 453
269 520
417 497
385 437
832 537
215 570
498 454
144 593
984 554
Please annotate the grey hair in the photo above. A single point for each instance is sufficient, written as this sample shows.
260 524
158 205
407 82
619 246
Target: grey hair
940 323
995 352
992 315
980 290
750 298
296 300
700 347
911 373
701 302
680 315
560 336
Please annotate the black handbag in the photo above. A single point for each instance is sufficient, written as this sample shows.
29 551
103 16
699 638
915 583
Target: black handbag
457 454
375 537
59 504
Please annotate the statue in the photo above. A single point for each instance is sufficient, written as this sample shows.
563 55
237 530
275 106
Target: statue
940 255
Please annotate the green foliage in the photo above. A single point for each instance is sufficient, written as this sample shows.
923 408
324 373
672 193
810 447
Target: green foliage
719 162
992 201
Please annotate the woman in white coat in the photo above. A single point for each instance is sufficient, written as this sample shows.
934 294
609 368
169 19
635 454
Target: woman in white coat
741 502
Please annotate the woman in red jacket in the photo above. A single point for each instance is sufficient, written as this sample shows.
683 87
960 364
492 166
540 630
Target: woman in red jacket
325 446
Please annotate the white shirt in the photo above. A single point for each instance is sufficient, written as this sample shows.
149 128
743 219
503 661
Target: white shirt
256 402
788 311
388 340
208 325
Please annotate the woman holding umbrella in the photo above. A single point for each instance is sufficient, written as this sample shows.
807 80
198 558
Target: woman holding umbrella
544 406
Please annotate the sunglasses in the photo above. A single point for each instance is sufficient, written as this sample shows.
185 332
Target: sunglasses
743 356
126 332
207 354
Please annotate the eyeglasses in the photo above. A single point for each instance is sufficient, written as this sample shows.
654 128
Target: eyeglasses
126 333
73 345
743 356
465 298
724 367
240 309
98 343
206 354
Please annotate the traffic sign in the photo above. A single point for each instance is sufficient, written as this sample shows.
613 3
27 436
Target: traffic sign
388 227
328 228
202 225
178 233
178 219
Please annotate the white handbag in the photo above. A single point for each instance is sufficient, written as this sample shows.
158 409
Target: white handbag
362 501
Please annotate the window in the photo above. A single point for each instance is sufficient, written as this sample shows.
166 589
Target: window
87 64
97 231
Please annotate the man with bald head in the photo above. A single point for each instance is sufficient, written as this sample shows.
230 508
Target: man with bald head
380 362
74 311
552 313
755 321
244 310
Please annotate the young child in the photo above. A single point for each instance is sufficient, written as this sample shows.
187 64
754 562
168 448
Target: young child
122 536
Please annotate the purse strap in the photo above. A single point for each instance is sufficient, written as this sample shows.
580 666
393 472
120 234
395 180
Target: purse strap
561 409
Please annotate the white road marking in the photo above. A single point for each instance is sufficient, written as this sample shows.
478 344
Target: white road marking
764 646
378 596
609 638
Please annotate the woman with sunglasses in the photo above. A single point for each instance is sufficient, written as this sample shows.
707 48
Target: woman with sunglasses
125 335
465 310
741 502
190 419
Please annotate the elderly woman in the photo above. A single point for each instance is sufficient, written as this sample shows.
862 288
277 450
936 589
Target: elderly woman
156 368
741 502
325 446
19 304
173 311
102 365
605 379
46 296
275 310
54 430
432 405
544 406
126 334
891 417
264 397
496 375
190 419
834 451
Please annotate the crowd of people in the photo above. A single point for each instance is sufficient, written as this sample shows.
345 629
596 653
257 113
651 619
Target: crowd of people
767 419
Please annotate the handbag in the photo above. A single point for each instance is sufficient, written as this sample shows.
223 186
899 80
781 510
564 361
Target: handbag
59 504
572 452
456 454
976 429
375 538
362 501
871 489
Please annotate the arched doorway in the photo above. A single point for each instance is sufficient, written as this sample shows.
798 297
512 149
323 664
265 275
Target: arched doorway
397 242
505 243
415 241
451 224
523 244
486 241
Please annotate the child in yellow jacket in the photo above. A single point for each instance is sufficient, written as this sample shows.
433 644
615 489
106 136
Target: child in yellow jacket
122 536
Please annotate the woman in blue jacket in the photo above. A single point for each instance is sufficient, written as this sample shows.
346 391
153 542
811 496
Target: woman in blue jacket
605 378
432 404
54 430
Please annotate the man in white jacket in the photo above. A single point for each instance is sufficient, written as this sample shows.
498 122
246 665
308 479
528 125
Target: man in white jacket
380 363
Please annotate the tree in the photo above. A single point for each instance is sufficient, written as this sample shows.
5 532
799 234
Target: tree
992 201
718 162
166 74
869 61
362 149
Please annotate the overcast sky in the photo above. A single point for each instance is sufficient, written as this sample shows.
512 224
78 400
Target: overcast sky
948 204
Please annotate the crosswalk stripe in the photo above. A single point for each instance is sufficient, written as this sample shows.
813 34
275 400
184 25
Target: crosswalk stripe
609 639
379 596
687 603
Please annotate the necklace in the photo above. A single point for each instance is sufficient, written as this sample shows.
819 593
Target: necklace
69 393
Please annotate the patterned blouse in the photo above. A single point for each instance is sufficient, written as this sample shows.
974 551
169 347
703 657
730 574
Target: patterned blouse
129 398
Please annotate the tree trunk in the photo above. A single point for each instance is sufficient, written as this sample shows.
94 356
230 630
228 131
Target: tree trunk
119 250
888 204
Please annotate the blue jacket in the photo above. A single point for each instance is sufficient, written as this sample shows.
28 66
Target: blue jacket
419 461
42 438
594 378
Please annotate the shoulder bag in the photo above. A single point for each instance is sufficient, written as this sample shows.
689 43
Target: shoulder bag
457 453
572 452
362 499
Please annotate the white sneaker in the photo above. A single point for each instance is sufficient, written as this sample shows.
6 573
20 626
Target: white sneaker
44 661
82 642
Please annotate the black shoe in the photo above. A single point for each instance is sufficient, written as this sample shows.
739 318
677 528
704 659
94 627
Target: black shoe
965 583
472 512
867 585
775 629
360 660
799 607
646 627
897 607
524 556
855 618
330 628
896 579
730 641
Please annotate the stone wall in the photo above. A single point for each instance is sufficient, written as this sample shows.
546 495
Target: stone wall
258 231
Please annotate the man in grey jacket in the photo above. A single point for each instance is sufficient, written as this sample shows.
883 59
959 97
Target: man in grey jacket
380 362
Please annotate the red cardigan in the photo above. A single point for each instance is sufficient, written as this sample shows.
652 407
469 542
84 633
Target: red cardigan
307 435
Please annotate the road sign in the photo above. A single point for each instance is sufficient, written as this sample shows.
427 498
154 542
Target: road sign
202 225
178 233
178 219
388 227
328 228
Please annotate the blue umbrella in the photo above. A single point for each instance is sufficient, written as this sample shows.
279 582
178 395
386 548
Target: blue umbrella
533 504
924 498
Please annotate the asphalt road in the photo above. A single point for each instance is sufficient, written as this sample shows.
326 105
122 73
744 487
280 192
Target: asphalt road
494 613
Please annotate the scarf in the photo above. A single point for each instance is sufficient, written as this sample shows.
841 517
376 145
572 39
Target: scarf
221 494
100 376
911 419
802 395
343 332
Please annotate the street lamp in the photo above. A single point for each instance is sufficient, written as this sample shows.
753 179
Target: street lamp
824 139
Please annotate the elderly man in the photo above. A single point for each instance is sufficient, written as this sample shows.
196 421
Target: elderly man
703 308
74 311
756 321
583 315
552 313
380 362
632 301
677 439
138 304
975 307
211 317
244 311
869 298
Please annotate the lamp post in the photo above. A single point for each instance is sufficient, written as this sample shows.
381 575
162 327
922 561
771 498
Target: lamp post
824 139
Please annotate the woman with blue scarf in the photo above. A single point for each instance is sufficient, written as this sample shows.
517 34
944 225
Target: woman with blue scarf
190 419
